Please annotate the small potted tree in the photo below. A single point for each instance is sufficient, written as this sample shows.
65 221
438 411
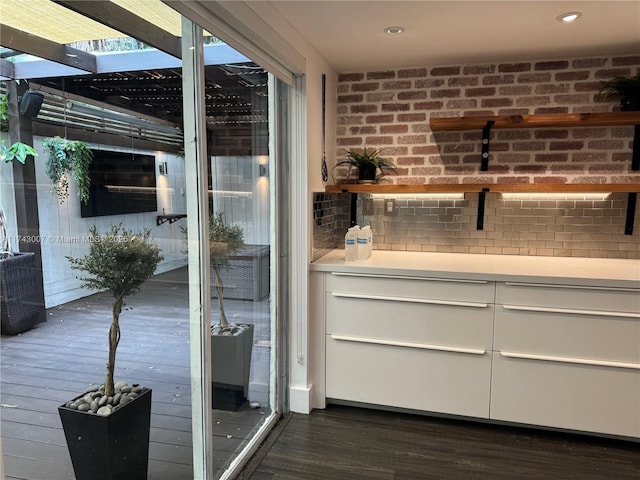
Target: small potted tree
231 343
367 164
107 427
68 158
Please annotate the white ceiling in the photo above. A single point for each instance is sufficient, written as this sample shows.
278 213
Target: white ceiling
349 33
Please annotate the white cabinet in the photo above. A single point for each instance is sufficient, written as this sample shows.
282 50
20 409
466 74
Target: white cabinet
567 357
409 342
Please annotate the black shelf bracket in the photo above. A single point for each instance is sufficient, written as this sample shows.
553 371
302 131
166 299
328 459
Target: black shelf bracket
486 135
635 157
354 210
482 197
160 219
631 212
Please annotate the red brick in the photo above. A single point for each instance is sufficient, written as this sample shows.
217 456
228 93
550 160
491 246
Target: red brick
587 86
534 78
589 157
605 145
424 150
606 168
429 171
461 104
590 180
478 113
363 130
364 87
446 93
633 60
413 95
420 128
480 92
381 75
529 169
514 67
394 128
343 88
515 90
349 120
342 109
412 72
349 141
496 102
553 65
606 74
517 134
478 69
566 169
497 169
379 119
589 63
572 98
380 97
435 105
551 133
412 117
379 140
410 161
350 98
350 77
532 101
463 81
554 146
429 83
591 133
551 157
364 108
498 79
571 76
395 107
552 88
459 148
547 110
510 180
409 139
397 85
549 179
444 71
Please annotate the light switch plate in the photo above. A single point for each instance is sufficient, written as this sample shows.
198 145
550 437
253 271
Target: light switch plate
389 206
367 206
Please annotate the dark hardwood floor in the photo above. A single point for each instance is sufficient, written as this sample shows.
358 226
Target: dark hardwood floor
345 443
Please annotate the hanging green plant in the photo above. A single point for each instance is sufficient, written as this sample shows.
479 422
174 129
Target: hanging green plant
4 113
68 158
18 151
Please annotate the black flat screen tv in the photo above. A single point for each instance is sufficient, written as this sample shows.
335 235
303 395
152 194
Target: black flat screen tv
121 183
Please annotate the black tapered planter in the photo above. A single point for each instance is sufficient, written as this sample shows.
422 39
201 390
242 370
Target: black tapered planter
630 104
115 447
231 364
19 304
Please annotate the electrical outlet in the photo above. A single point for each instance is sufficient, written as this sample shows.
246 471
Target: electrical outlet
389 206
367 206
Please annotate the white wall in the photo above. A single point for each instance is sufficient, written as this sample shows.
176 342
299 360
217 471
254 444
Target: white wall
64 233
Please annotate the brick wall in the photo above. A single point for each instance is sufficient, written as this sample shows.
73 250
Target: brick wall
391 110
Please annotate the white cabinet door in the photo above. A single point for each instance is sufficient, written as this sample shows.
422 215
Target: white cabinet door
408 376
566 395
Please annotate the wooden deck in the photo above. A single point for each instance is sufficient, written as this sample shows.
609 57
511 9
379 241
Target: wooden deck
57 360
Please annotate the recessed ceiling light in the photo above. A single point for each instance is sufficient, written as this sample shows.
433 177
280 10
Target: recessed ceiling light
569 17
394 30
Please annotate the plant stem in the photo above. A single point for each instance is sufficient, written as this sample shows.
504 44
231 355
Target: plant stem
114 339
219 288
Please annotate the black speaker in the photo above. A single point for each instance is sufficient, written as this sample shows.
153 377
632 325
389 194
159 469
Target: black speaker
30 103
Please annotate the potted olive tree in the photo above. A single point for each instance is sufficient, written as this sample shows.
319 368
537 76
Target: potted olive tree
231 343
19 305
107 427
367 164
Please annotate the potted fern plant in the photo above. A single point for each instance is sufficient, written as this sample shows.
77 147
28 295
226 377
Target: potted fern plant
627 89
231 343
367 163
68 159
107 427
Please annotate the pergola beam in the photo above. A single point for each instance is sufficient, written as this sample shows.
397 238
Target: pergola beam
43 48
121 19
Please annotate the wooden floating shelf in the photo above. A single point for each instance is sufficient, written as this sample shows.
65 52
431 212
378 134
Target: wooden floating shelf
552 120
488 187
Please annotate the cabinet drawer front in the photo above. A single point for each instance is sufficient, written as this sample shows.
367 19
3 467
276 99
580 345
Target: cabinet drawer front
414 287
572 396
587 335
570 297
421 379
467 325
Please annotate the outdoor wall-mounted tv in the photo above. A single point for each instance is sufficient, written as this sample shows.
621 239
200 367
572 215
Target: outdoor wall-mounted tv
121 183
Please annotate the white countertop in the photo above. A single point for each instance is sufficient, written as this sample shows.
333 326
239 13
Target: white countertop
515 268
